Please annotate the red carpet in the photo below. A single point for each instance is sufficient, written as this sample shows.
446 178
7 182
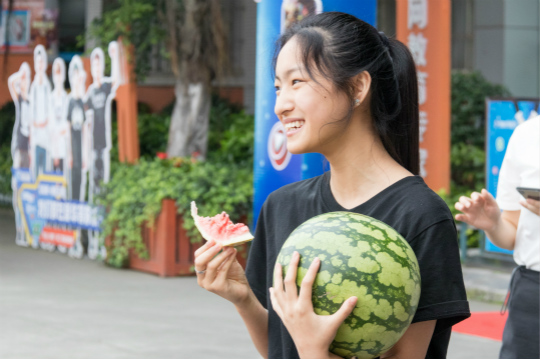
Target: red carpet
487 324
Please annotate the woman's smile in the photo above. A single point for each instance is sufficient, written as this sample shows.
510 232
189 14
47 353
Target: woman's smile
293 126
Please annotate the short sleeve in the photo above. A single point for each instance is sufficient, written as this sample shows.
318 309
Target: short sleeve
507 196
443 295
87 101
68 113
256 271
108 88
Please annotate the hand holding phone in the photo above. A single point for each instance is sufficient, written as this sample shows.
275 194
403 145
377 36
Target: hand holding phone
532 199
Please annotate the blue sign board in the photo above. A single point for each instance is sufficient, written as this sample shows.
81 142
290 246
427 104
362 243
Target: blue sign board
42 202
503 116
274 166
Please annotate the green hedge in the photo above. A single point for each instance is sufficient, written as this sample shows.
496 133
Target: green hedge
467 154
7 121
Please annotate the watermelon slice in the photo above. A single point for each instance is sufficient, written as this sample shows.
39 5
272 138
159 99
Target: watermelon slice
220 228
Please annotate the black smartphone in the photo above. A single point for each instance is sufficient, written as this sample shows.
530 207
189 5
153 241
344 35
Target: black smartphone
533 193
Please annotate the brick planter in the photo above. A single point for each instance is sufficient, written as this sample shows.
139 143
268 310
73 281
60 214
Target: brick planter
169 249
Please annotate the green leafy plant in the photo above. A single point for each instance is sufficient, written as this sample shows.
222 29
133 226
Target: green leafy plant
7 121
153 130
467 155
134 21
469 92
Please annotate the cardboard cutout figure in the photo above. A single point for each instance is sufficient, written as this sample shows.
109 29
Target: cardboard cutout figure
76 119
41 110
59 126
19 86
99 97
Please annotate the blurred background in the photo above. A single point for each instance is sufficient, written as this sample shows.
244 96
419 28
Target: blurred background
158 164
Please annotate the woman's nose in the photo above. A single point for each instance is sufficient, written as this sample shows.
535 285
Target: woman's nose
284 103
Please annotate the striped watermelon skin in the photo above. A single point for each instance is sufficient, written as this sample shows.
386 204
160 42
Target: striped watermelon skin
364 257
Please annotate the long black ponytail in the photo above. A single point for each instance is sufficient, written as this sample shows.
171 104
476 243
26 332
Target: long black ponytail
340 46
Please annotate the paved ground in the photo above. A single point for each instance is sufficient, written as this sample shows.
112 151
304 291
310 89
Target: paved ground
54 307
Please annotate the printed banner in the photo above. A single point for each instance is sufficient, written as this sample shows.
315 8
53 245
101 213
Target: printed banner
274 166
503 116
61 151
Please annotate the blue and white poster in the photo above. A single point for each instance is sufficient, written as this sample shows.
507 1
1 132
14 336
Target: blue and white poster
503 116
274 166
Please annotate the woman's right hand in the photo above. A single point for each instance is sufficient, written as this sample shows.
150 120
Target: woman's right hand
480 210
222 274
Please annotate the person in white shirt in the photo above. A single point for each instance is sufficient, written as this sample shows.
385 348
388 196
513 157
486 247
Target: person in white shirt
19 84
99 97
40 95
516 228
59 125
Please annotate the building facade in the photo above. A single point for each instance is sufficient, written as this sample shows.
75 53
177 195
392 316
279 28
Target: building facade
499 38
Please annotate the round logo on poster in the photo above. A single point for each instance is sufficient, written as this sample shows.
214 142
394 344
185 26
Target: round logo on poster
277 147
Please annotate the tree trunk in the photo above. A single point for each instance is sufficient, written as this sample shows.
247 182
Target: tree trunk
188 131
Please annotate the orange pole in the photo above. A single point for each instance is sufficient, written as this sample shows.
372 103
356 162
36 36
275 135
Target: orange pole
126 104
424 25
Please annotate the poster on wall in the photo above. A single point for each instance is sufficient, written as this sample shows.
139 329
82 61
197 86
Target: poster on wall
60 147
30 23
503 116
274 165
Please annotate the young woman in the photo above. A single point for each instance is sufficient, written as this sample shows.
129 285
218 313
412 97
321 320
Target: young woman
344 90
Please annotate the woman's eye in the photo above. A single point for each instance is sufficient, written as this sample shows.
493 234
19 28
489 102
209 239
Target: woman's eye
277 88
294 82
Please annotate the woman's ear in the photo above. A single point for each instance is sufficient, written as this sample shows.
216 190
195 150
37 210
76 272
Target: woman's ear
363 84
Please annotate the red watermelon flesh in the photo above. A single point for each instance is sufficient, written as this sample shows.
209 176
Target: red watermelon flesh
221 229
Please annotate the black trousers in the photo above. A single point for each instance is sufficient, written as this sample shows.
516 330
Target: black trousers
521 332
98 174
76 179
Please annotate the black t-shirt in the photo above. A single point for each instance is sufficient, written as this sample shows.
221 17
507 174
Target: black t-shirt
410 207
97 100
76 119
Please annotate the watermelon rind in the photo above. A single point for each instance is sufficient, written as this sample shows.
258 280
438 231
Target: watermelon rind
235 241
367 259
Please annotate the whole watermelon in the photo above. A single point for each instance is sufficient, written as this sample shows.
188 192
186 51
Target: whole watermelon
363 257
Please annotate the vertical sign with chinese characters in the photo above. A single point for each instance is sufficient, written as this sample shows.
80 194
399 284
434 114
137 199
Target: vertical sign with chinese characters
424 26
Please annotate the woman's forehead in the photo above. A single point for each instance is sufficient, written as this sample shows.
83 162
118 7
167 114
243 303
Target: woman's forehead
289 59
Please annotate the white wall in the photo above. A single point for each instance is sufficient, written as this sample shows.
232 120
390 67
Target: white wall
507 44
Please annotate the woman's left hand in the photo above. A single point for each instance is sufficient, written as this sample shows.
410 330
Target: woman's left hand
311 333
